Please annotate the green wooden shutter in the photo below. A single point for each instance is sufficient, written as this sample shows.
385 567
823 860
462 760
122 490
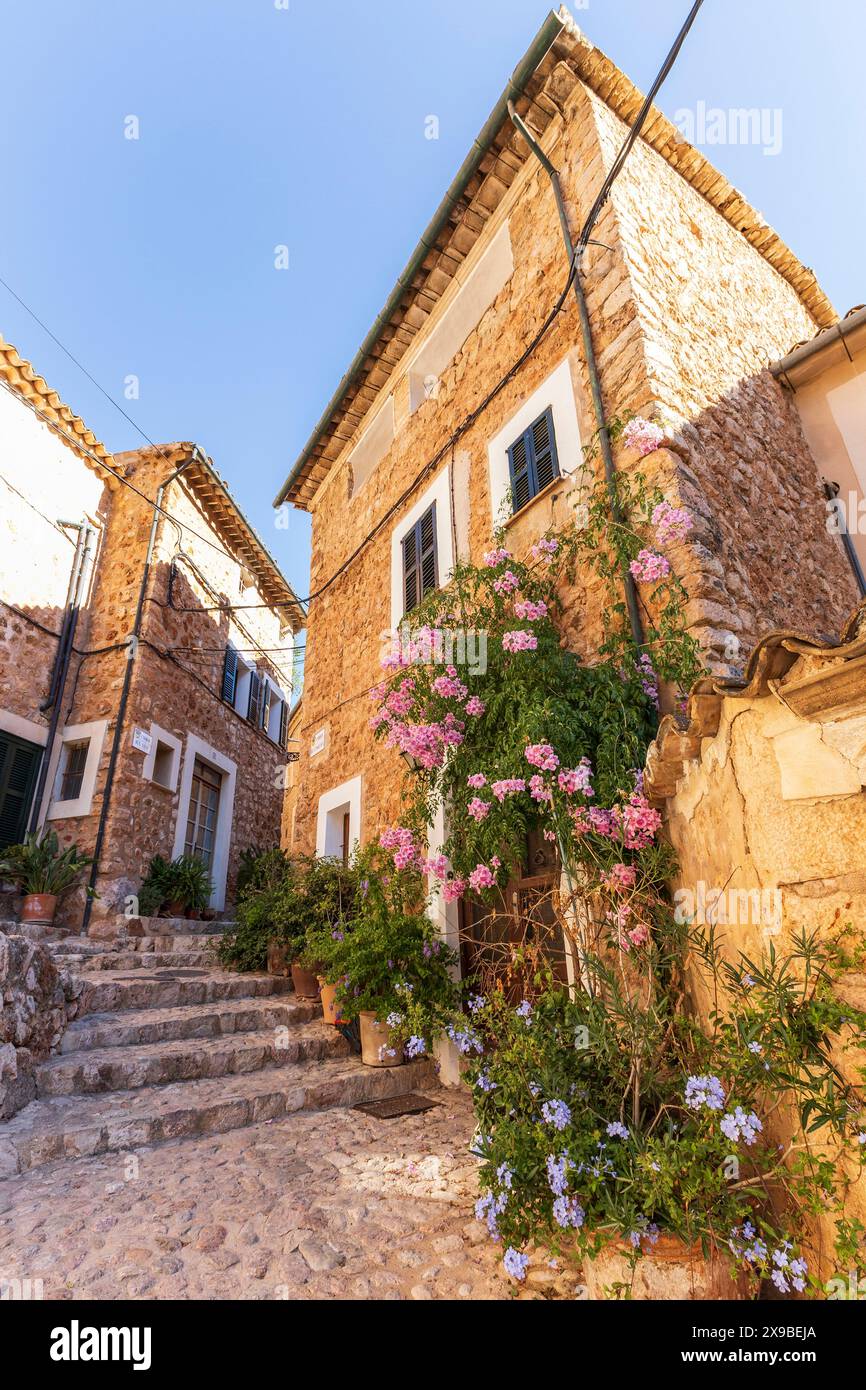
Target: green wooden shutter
284 724
544 459
266 705
410 570
518 467
230 675
19 767
254 708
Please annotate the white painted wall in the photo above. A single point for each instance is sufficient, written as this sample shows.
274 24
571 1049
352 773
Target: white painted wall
556 391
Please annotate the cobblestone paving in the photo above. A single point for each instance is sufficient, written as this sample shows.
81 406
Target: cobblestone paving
331 1204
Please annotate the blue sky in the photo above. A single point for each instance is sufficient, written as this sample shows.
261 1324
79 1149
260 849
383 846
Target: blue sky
305 127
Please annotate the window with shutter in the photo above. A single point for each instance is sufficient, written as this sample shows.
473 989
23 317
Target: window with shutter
266 705
230 675
254 708
420 561
533 461
19 766
284 724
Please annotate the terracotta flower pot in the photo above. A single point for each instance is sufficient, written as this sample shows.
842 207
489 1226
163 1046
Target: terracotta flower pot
330 1008
377 1043
175 909
38 909
667 1271
278 960
305 982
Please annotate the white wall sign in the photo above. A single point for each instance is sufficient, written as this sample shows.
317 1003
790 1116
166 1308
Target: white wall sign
142 740
317 742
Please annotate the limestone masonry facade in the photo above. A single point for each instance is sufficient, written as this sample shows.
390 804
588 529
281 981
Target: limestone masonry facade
690 298
201 761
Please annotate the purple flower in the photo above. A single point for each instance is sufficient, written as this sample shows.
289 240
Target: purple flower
617 1130
524 1011
415 1047
704 1090
738 1125
515 1263
556 1113
567 1212
557 1173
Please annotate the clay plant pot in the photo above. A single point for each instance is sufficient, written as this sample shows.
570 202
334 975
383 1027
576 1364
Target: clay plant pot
279 962
38 909
330 1008
305 981
377 1043
667 1271
175 909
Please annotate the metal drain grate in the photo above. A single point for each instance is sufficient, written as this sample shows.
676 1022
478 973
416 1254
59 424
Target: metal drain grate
394 1106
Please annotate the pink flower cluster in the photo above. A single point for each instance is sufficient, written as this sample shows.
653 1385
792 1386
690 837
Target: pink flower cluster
453 888
477 780
650 566
474 706
449 686
426 743
620 878
545 549
640 822
509 786
538 788
401 843
671 523
642 435
481 877
542 755
525 608
478 809
506 583
519 641
496 557
577 779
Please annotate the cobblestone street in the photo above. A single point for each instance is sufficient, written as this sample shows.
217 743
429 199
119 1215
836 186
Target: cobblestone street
326 1205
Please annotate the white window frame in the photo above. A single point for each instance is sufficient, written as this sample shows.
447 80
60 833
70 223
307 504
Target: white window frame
333 803
439 492
556 392
160 735
93 734
373 445
219 869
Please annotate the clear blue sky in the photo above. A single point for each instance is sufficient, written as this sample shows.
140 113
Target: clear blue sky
305 127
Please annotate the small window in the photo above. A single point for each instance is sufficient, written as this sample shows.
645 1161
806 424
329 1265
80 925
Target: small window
73 762
533 461
163 765
420 561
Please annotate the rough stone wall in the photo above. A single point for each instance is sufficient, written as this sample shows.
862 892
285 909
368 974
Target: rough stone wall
738 460
775 803
36 1003
712 314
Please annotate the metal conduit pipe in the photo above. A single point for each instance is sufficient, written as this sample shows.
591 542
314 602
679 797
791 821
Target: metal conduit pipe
631 598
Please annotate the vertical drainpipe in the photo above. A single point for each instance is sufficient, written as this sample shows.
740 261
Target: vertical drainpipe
592 367
131 655
54 699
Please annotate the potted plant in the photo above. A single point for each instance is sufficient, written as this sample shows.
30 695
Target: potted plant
191 886
389 968
154 887
43 872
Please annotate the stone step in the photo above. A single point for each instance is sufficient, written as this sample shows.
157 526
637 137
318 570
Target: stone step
139 1027
80 948
108 992
138 960
75 1126
127 1068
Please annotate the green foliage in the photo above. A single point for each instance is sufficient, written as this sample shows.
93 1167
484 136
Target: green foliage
286 900
184 881
38 865
620 1052
387 956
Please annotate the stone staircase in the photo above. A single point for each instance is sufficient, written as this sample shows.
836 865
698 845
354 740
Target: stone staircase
168 1045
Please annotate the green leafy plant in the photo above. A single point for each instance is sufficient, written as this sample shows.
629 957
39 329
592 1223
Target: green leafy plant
38 865
287 901
183 882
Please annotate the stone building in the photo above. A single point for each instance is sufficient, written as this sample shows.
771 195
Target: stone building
690 296
145 654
